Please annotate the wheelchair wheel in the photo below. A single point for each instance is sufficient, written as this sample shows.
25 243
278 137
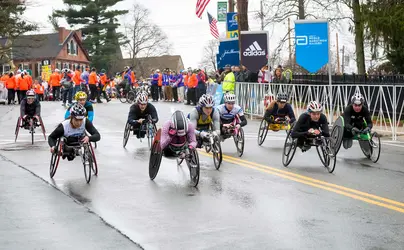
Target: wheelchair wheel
150 135
42 127
55 158
289 150
130 97
217 154
17 128
179 161
239 141
194 168
87 159
155 160
126 134
375 146
262 132
327 155
336 137
95 165
32 130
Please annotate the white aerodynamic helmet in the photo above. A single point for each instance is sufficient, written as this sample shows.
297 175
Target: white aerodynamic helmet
229 97
142 98
207 101
357 99
314 107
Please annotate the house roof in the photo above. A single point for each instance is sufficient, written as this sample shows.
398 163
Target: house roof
143 66
39 46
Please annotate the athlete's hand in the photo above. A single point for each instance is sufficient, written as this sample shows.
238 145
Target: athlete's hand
86 139
52 150
316 132
140 121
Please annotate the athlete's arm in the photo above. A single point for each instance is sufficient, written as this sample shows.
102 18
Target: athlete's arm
67 114
367 116
193 117
216 121
191 136
132 114
165 136
296 132
38 108
56 134
347 117
243 120
153 114
324 126
90 112
22 108
94 134
291 114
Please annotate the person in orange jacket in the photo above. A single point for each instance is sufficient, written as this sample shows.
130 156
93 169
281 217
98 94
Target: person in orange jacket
39 90
29 77
54 83
77 80
23 86
160 84
103 81
192 84
11 85
92 84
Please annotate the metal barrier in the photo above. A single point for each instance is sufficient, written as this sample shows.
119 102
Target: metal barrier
385 102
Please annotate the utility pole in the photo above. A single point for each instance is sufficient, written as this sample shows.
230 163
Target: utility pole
231 5
338 64
343 59
262 15
290 44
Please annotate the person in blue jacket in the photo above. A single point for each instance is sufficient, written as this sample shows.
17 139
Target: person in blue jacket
155 86
81 97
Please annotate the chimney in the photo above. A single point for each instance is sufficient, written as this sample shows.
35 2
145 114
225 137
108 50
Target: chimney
79 34
63 33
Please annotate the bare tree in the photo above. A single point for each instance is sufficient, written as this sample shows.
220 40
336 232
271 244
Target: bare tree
209 55
145 39
54 21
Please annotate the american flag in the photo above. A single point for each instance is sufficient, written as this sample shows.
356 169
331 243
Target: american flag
200 7
213 27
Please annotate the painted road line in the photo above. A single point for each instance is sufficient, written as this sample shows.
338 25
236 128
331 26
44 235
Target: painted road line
394 145
324 184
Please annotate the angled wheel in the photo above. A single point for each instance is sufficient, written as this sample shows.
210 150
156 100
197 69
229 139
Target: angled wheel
17 128
262 132
126 134
289 149
179 161
155 159
42 127
87 159
327 155
217 154
376 147
55 158
95 165
130 97
194 168
239 141
150 135
32 130
122 97
337 134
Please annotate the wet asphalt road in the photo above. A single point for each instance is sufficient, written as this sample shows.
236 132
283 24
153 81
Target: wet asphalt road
251 203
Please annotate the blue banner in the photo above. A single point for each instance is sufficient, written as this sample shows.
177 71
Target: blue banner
231 25
229 53
311 44
218 95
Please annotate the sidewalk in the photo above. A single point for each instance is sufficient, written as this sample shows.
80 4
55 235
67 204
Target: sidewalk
34 215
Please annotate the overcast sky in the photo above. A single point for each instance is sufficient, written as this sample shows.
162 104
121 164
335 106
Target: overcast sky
185 31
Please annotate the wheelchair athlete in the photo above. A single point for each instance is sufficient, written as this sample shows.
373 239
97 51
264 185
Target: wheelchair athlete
228 112
74 131
310 125
202 116
175 133
139 112
30 108
279 110
354 116
81 97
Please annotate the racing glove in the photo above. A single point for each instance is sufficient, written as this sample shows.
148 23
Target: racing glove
366 130
203 134
355 131
172 132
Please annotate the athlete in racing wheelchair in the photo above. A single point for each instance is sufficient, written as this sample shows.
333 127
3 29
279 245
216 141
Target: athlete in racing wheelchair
177 140
310 130
278 116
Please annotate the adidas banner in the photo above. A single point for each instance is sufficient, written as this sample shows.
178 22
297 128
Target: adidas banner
254 49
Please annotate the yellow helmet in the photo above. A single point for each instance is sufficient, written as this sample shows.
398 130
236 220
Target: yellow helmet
80 95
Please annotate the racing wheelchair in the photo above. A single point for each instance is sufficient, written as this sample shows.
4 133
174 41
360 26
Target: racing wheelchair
369 142
324 146
29 124
212 144
282 124
148 126
184 153
84 150
230 130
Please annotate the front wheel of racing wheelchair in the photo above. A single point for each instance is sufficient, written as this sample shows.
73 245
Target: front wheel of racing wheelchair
275 126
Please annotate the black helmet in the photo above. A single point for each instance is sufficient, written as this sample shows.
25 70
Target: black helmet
282 97
179 123
78 111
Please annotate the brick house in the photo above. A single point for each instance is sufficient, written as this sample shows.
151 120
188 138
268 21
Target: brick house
60 50
143 66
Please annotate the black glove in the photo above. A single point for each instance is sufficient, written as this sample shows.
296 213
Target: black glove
355 131
366 130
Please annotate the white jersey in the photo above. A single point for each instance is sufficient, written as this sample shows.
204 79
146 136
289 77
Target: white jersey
228 115
73 132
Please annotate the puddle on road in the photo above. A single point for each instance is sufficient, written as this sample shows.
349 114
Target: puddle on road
141 153
76 193
24 147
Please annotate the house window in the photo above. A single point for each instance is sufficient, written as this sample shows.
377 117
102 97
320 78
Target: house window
72 48
68 48
37 69
59 65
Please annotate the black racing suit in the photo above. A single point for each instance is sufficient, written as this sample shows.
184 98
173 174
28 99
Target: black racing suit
302 126
135 114
353 119
30 110
272 113
72 140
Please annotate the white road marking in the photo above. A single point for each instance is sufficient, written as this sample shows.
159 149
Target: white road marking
394 145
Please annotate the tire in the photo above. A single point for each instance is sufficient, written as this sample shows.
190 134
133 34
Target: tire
130 97
217 154
122 98
155 160
194 168
55 158
289 150
262 132
42 127
239 141
126 134
337 135
150 136
87 158
95 165
376 147
17 128
32 131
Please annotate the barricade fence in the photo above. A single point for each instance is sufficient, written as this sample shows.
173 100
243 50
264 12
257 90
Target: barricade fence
385 102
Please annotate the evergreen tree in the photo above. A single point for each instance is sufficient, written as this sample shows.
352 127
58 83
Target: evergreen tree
97 21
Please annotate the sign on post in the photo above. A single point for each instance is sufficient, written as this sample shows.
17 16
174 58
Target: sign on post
229 53
255 49
221 11
232 25
311 43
